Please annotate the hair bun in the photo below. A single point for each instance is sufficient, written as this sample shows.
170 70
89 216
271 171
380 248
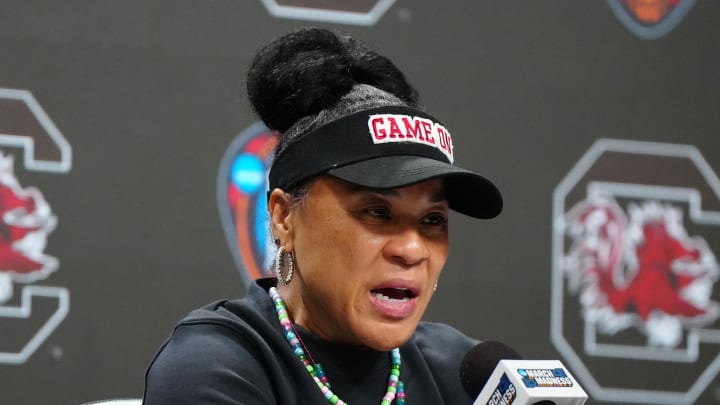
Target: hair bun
369 67
298 74
306 71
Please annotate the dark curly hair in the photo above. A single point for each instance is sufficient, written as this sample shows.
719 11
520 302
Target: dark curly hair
312 76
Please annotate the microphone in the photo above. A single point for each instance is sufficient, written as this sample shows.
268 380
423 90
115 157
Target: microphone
495 374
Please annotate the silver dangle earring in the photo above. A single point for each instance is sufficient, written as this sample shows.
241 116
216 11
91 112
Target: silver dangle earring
291 268
435 287
279 261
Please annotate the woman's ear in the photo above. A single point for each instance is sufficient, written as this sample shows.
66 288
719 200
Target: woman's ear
280 219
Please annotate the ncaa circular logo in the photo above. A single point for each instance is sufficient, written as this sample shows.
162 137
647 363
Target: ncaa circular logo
242 200
650 19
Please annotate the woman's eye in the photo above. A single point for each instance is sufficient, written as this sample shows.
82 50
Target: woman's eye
378 212
435 220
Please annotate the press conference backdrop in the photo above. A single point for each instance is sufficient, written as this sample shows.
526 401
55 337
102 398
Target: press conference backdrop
131 167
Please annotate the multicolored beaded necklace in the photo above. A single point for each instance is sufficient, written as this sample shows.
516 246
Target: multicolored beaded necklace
395 387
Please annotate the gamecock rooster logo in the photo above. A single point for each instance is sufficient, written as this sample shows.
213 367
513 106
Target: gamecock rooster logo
25 222
639 270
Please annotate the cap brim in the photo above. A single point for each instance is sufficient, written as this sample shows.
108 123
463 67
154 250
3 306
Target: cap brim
467 192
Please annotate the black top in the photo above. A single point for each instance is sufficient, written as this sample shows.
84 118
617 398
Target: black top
234 352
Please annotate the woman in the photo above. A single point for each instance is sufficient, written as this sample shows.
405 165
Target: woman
360 189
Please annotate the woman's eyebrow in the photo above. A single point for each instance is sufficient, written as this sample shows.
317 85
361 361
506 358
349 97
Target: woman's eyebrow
438 196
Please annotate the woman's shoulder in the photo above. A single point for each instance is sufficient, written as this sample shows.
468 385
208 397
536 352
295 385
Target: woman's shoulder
224 332
220 346
209 355
252 312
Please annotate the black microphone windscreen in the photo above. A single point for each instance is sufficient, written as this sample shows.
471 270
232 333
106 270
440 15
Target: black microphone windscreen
479 363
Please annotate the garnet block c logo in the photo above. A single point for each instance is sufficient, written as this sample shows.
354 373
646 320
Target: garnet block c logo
636 226
26 221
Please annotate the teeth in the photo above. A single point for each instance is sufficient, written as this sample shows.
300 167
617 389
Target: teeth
386 298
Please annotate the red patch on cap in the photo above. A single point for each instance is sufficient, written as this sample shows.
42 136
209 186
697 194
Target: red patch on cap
389 128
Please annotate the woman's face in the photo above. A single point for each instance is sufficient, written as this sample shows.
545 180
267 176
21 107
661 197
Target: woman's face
366 259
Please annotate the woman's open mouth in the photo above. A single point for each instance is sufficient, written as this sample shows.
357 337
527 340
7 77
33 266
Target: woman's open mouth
394 294
395 302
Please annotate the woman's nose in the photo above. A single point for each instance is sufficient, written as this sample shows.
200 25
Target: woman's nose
406 247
